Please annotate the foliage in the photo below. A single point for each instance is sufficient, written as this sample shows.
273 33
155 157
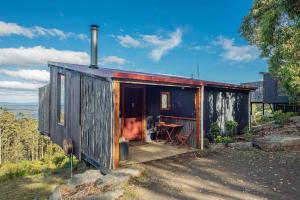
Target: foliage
274 27
223 139
206 142
23 151
45 166
213 132
230 126
281 118
248 133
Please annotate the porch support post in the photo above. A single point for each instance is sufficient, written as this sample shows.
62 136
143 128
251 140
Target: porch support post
198 109
116 92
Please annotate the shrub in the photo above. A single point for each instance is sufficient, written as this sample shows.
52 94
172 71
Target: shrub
223 139
248 134
230 127
281 118
46 165
213 132
206 142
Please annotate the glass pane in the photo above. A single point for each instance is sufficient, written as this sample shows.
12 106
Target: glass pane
164 101
61 106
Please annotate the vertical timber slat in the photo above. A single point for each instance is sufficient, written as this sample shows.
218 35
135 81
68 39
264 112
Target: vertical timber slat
116 123
198 116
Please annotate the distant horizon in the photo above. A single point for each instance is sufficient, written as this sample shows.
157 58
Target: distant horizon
26 103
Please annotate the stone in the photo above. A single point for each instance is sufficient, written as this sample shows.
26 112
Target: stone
241 145
111 195
277 142
56 194
88 176
217 146
116 179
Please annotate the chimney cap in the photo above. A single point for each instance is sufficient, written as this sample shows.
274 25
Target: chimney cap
94 26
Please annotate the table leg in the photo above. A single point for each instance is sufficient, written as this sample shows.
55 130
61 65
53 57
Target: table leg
170 135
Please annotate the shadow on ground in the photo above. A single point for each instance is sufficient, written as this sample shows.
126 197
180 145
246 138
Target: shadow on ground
227 174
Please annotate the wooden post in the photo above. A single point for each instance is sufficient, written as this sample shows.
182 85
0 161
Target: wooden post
198 117
116 123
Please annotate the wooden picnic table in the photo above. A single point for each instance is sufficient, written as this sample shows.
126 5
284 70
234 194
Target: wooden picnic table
169 128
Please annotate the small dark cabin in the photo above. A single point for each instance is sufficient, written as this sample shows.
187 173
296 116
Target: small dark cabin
271 93
96 106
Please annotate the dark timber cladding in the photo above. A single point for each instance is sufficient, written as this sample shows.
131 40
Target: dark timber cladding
225 104
71 128
96 120
44 103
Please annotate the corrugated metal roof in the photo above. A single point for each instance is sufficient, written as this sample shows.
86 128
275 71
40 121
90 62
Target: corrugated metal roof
146 77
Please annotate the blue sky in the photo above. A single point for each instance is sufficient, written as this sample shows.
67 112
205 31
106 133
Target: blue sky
168 37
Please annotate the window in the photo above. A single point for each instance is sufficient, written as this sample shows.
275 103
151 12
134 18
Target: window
61 99
165 101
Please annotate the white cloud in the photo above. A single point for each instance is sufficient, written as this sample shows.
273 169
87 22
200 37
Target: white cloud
159 46
237 53
16 85
163 46
27 74
113 60
7 29
39 55
128 41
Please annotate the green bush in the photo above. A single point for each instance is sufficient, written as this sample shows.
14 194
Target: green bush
230 127
223 139
46 165
213 132
206 142
281 118
248 134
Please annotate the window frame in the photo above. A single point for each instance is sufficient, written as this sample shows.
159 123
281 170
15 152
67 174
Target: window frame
168 101
58 100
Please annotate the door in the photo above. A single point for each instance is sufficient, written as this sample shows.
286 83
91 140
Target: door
133 110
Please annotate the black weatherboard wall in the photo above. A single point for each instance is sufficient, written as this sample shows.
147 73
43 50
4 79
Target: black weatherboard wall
225 104
272 91
71 127
182 101
96 121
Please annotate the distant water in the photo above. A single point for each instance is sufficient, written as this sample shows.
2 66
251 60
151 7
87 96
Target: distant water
28 109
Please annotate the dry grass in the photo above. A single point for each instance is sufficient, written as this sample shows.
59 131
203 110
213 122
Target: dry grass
30 187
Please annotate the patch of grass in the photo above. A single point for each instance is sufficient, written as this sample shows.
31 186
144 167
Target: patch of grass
29 187
44 166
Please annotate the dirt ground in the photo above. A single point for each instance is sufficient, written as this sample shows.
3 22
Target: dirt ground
223 174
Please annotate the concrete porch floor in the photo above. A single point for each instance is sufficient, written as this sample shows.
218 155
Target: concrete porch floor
154 151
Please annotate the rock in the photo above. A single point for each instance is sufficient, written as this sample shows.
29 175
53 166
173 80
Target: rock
296 119
56 194
241 145
277 142
111 195
116 179
88 176
217 146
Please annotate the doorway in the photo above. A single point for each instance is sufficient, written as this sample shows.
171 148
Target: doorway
133 108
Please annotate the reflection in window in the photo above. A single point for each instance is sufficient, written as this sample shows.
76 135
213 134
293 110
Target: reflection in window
61 99
165 101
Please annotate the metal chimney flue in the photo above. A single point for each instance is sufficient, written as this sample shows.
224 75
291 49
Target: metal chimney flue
94 46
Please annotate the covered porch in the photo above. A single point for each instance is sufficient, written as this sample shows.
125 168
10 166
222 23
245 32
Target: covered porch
145 108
